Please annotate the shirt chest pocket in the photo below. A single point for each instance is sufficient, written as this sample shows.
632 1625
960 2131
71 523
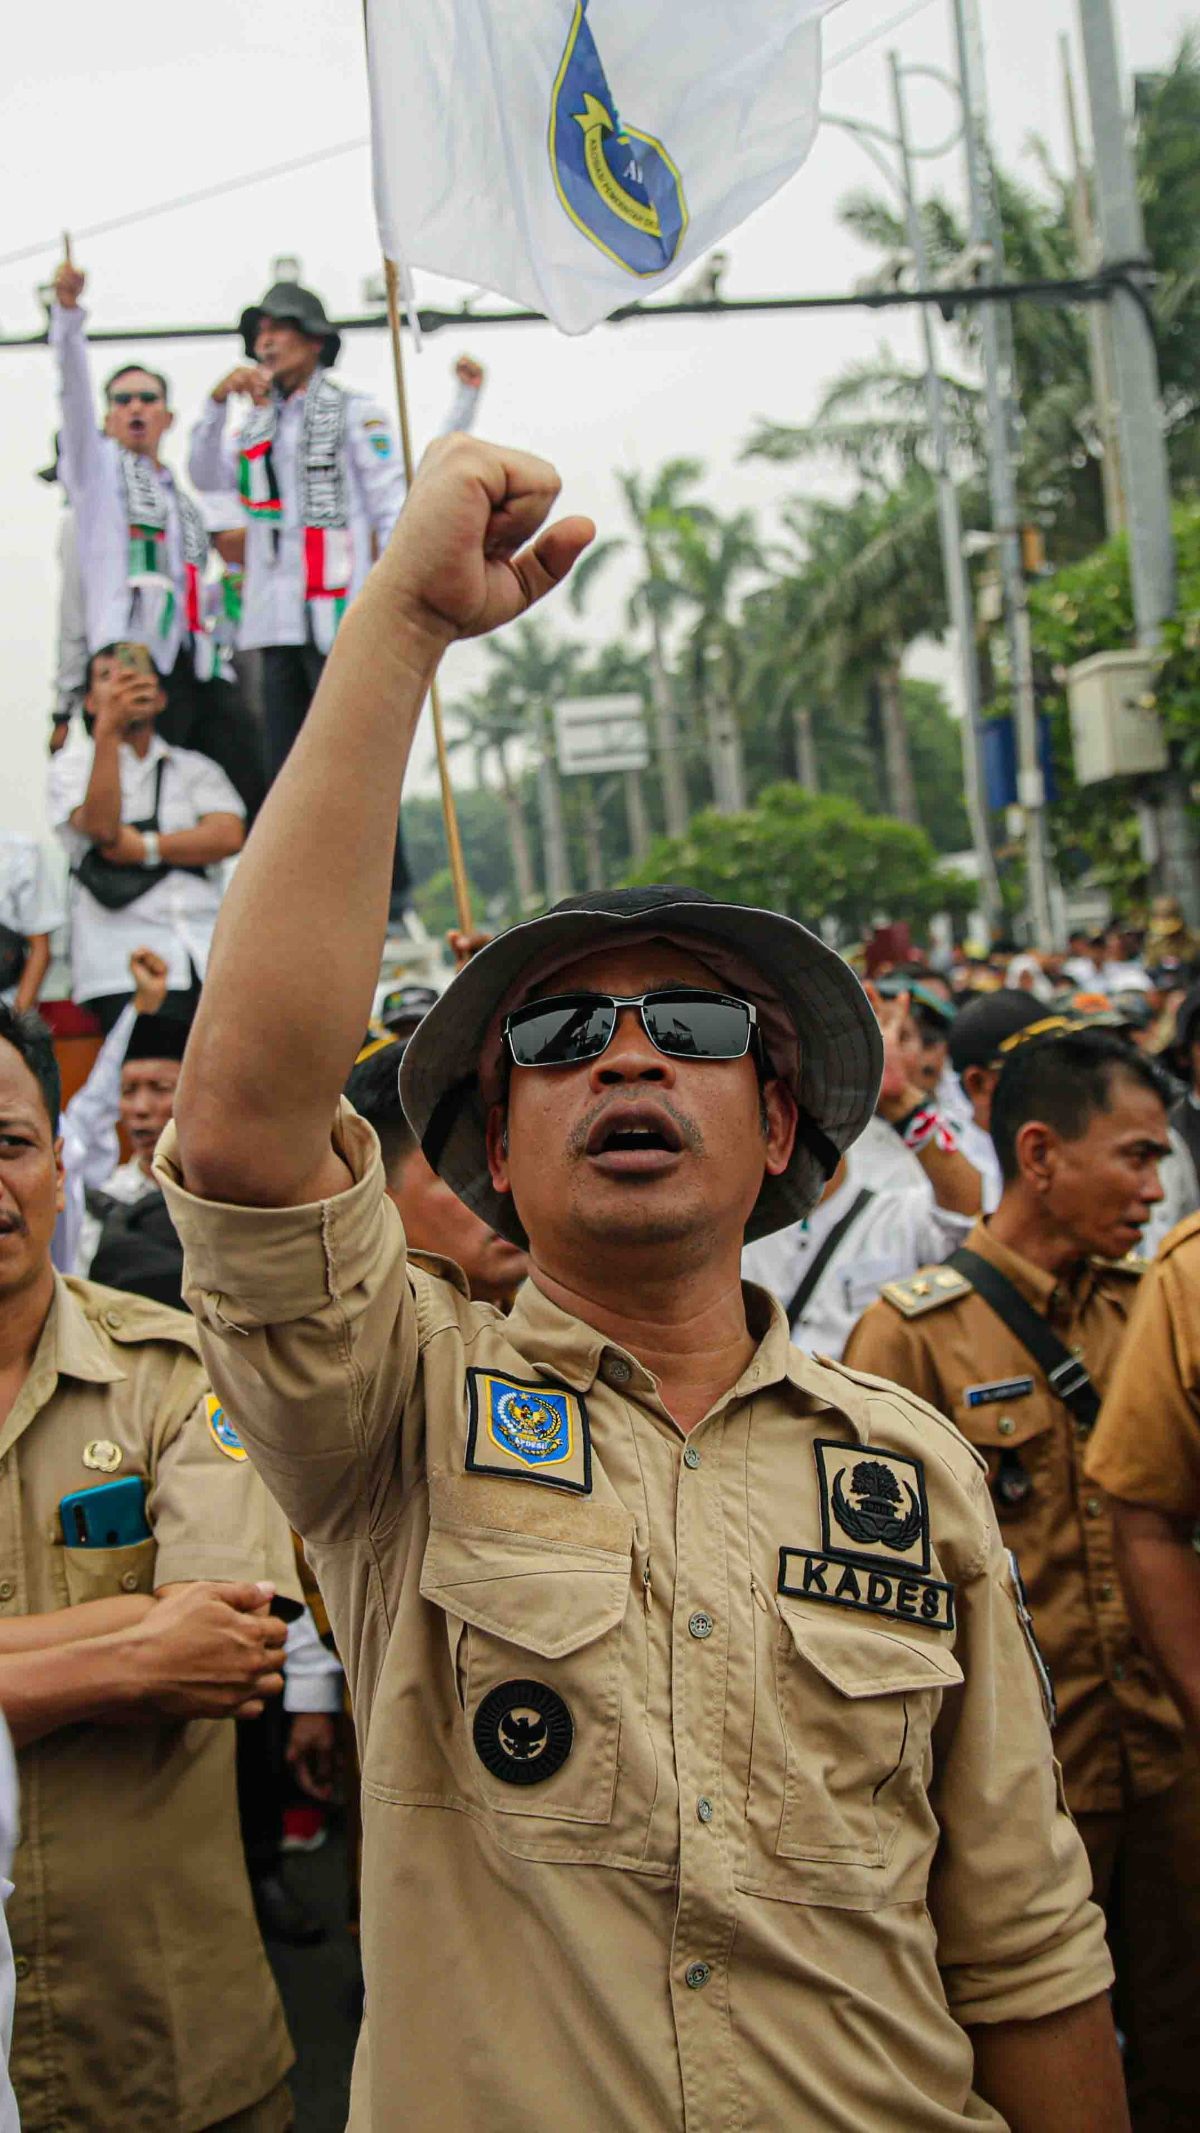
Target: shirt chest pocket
535 1627
843 1716
106 1573
1021 1443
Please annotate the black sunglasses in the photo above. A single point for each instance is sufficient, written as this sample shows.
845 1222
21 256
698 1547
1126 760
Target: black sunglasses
576 1026
127 399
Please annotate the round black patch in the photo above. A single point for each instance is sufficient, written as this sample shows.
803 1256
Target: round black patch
523 1732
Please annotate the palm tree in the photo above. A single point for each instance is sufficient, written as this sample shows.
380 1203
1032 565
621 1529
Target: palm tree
531 672
711 555
490 726
653 509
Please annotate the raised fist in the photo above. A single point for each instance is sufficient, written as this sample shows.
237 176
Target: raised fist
68 286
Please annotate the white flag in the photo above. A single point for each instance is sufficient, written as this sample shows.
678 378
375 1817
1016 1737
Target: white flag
577 154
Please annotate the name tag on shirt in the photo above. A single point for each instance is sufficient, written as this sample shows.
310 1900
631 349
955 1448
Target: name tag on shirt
1001 1389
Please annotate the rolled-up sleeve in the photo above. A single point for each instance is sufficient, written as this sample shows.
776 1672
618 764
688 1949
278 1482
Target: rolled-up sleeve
1010 1894
308 1328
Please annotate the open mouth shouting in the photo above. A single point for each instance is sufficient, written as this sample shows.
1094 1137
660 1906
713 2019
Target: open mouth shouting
634 1139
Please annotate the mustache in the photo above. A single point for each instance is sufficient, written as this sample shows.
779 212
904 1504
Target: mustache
689 1131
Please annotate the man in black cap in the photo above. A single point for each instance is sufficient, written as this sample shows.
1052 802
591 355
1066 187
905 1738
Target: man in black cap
321 483
981 1037
705 1776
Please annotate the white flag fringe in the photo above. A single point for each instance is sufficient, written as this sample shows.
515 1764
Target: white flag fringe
575 155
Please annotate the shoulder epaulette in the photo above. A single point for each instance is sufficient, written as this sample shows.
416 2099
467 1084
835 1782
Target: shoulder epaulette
926 1291
125 1316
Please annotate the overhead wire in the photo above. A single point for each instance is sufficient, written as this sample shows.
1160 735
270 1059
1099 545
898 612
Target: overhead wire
222 187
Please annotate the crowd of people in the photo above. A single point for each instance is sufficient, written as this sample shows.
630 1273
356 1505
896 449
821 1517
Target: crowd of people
678 1402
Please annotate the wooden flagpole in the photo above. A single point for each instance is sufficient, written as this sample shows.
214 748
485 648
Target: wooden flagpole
458 870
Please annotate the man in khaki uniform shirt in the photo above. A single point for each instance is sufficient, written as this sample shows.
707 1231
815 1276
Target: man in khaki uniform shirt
1146 1453
1079 1124
706 1784
144 1999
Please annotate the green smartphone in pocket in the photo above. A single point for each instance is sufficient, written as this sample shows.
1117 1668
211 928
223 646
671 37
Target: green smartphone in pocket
112 1515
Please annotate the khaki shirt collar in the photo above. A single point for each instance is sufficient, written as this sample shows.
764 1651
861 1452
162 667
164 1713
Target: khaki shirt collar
568 1348
68 1348
78 1351
1039 1288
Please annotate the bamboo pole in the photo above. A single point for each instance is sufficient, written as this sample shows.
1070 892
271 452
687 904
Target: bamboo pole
458 870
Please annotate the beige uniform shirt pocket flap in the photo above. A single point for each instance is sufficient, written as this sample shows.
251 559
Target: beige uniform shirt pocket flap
859 1660
104 1573
544 1594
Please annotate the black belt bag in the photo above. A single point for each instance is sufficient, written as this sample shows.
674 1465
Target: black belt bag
116 885
1065 1372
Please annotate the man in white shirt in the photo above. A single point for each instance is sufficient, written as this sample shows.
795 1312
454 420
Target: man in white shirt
31 906
138 803
141 542
874 1223
321 483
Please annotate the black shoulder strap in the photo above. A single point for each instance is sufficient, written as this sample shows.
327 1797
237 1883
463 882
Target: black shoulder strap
824 1253
158 786
1065 1372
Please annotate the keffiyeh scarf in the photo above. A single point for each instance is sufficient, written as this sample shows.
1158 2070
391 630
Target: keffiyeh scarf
149 575
324 497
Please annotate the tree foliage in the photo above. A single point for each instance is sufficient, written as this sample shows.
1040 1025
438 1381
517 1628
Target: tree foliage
813 856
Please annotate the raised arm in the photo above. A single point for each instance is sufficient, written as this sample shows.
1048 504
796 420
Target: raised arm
955 1181
212 457
82 455
311 893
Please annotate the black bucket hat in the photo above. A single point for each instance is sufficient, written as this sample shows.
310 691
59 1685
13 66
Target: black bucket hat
300 307
840 1046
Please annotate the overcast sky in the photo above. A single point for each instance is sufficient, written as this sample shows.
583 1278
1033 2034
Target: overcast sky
103 114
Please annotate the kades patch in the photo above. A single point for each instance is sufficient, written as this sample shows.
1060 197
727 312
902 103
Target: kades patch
538 1431
874 1553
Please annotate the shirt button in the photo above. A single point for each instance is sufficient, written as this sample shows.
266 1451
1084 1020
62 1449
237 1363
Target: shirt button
696 1975
1093 1507
1107 1590
7 1588
129 1581
691 1456
700 1624
1006 1427
21 1966
113 1320
704 1808
617 1370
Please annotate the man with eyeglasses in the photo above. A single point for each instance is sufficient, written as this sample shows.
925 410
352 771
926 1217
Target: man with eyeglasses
705 1776
141 545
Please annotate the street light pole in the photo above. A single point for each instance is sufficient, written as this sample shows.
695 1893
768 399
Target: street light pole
996 341
954 567
1139 410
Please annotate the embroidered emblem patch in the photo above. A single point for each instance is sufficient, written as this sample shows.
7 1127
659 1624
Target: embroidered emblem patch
1000 1389
378 437
101 1457
221 1429
539 1431
619 186
874 1552
523 1732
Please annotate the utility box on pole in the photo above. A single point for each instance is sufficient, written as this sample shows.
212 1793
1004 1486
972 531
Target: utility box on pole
1116 731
